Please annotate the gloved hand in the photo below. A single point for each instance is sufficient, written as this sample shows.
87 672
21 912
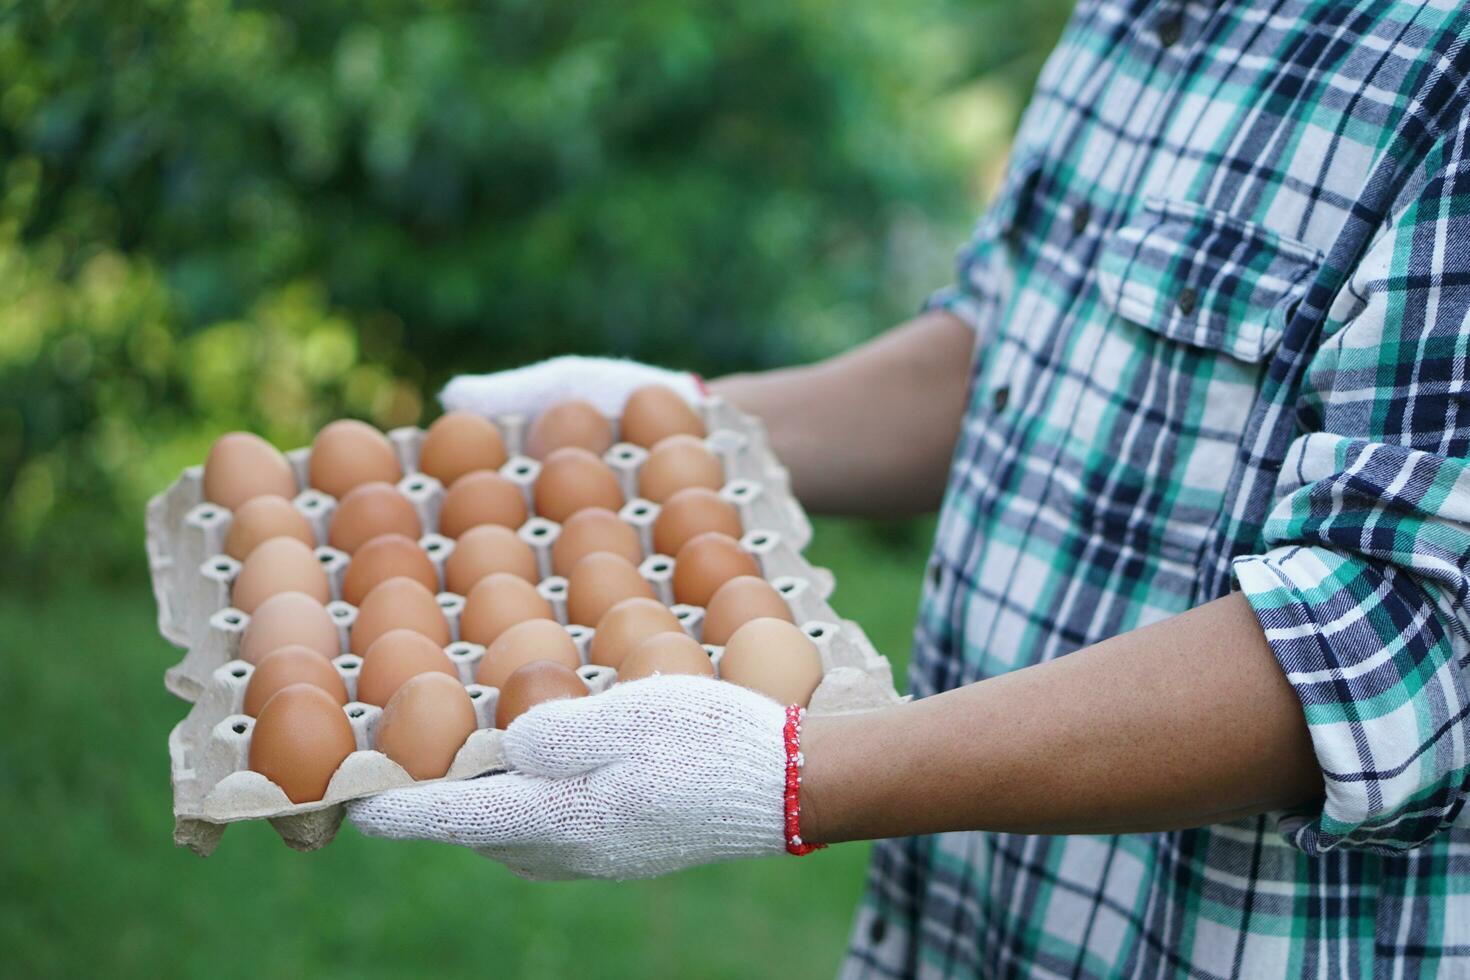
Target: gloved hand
604 381
649 777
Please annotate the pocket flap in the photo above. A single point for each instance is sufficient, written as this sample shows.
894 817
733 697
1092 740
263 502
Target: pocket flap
1205 278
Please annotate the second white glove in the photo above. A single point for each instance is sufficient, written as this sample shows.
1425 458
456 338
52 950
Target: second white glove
604 381
650 777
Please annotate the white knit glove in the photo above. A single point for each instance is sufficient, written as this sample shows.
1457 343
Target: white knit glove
649 777
604 381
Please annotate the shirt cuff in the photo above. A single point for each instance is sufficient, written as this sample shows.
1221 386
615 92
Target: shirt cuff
955 301
1378 679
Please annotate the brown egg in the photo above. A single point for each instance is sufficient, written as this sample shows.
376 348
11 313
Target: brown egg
589 530
775 658
459 443
706 562
675 463
348 453
242 466
279 565
301 736
600 581
665 653
626 625
387 556
289 618
399 603
261 518
393 658
368 511
524 643
289 665
573 479
569 423
690 512
425 724
497 602
655 412
532 684
481 497
737 602
485 550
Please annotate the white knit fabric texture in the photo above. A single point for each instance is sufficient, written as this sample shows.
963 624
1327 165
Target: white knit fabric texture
604 381
647 778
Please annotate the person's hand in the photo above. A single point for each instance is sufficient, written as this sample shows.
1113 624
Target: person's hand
649 777
604 381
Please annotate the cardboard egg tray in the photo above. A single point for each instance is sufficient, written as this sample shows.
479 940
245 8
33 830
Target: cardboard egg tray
209 750
192 581
192 576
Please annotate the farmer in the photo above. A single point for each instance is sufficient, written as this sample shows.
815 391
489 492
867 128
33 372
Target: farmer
1191 664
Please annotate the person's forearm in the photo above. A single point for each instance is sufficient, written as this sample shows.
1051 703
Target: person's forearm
870 431
1180 724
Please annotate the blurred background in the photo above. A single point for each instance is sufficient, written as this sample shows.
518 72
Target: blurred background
220 215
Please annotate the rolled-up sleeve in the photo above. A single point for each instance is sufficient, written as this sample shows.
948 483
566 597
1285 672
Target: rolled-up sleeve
1363 588
956 301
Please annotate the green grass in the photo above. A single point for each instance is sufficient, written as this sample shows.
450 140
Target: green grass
91 884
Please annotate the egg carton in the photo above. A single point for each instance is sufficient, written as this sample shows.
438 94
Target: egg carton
186 534
209 750
218 642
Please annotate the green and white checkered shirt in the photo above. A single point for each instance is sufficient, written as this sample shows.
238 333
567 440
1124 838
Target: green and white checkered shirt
1223 314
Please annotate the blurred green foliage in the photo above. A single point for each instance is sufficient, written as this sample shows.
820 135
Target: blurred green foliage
94 887
221 214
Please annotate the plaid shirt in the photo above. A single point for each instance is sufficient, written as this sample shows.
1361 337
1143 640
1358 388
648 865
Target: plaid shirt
1221 301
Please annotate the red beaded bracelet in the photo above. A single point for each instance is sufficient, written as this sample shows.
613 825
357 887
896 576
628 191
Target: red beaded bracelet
792 735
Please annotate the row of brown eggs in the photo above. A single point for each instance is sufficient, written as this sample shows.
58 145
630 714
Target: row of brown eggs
572 481
602 548
302 736
498 601
477 500
513 626
651 414
348 453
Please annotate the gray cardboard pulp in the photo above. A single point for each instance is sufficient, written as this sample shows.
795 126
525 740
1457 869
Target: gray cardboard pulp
209 748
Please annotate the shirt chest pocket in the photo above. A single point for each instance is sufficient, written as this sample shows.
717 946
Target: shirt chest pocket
1194 302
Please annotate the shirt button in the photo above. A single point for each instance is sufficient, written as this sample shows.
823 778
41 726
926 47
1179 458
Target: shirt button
1000 399
936 572
1081 215
877 929
1170 29
1187 299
